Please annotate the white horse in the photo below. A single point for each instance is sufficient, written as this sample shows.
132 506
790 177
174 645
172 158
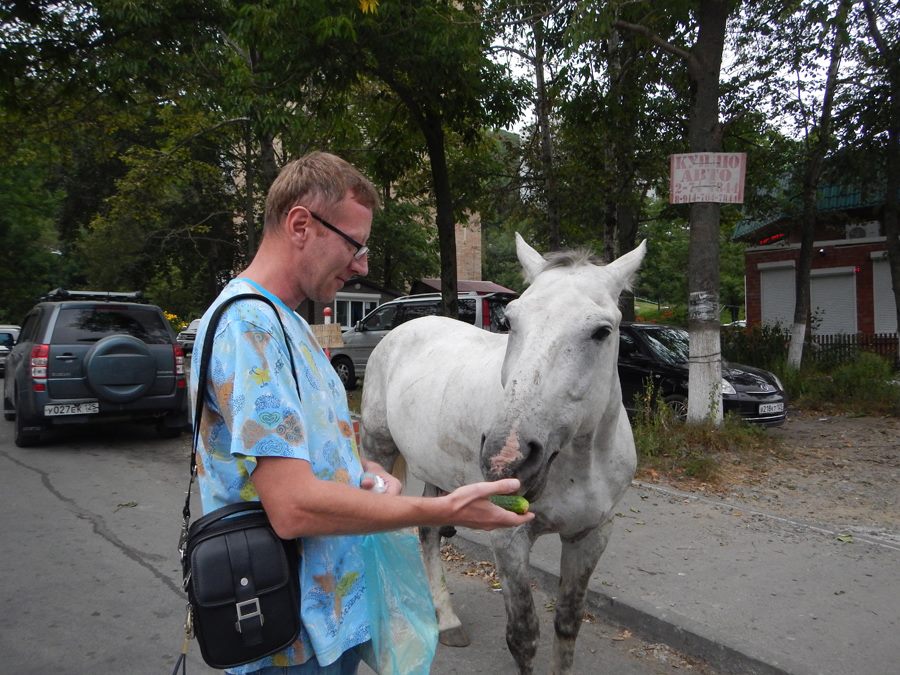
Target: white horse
542 404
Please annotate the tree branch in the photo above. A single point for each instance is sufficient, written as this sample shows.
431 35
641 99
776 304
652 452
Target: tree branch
658 41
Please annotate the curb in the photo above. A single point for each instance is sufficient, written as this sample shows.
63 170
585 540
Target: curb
685 639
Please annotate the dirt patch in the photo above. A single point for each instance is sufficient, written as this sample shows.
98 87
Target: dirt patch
841 470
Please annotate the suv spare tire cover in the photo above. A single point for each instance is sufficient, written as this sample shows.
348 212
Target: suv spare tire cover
120 368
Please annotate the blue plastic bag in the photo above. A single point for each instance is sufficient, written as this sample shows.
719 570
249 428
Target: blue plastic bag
401 612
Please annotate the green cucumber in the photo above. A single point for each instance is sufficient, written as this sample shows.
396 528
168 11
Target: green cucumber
513 503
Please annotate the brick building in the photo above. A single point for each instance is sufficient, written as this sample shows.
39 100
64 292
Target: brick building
850 283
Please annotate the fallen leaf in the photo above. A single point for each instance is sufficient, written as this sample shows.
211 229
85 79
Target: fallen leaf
846 538
623 635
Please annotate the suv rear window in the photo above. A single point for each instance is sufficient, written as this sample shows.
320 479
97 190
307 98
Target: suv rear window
90 324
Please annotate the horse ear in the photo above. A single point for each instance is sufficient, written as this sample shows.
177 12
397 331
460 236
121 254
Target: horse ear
626 266
532 262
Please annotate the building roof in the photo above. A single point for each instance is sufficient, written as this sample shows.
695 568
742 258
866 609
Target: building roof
468 286
829 198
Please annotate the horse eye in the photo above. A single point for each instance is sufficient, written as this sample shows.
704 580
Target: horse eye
601 333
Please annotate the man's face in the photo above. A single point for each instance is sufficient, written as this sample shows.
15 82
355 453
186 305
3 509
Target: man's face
334 258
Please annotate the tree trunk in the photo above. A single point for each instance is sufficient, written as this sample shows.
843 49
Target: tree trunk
891 57
812 174
446 225
705 135
626 224
546 136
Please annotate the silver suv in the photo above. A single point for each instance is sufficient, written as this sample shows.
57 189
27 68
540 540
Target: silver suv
86 356
486 311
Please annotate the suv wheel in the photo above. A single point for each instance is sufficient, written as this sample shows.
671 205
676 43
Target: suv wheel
25 438
344 368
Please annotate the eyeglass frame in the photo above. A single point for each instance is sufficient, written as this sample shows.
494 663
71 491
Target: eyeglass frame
361 249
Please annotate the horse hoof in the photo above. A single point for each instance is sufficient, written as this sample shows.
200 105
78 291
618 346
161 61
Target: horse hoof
447 531
454 637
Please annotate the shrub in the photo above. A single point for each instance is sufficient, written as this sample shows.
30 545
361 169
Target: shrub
761 346
865 385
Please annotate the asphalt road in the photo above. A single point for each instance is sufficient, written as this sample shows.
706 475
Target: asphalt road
91 581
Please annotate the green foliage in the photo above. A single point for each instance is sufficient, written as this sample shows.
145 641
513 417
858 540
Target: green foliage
30 258
404 246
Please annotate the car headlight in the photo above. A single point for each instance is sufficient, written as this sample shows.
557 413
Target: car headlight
727 387
777 382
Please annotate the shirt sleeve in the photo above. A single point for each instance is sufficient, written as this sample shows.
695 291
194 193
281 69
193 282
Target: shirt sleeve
266 414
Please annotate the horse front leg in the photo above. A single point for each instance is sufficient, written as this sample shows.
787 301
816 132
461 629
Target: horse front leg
579 557
451 631
512 549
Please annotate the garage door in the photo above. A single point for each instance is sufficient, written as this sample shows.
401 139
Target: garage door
776 281
833 300
885 306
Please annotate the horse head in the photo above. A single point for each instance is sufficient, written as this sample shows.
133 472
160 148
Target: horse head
559 375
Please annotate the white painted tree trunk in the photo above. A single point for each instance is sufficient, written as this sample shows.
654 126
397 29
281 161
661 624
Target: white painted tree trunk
795 349
705 376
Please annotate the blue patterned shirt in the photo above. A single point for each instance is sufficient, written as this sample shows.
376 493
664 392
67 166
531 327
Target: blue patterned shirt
252 410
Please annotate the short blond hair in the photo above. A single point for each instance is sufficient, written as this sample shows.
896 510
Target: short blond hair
317 180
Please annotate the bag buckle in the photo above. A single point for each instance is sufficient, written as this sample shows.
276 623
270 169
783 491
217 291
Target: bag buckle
183 540
248 609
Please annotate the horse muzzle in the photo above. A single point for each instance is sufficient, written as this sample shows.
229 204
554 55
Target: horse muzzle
509 456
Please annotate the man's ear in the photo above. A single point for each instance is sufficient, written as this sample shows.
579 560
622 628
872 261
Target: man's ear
296 225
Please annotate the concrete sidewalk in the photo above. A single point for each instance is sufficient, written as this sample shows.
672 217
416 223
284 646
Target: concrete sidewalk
747 591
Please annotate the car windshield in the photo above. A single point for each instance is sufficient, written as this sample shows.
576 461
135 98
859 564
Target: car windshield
670 345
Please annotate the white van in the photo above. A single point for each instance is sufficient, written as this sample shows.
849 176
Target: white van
486 310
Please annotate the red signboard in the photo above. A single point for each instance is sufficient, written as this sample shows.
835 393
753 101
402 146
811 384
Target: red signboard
707 177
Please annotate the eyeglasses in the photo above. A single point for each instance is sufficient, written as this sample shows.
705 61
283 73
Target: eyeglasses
361 250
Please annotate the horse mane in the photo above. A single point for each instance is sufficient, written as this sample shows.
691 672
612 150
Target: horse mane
575 257
571 258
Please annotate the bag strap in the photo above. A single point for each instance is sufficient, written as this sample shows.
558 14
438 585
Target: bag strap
224 512
205 355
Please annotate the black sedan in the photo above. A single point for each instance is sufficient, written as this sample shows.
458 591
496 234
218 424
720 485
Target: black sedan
657 355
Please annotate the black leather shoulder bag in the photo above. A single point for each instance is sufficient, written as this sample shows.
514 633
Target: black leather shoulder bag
240 577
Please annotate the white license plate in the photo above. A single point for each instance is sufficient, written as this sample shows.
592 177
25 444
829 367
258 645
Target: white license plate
85 408
770 408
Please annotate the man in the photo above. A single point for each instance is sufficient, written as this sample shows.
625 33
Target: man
297 454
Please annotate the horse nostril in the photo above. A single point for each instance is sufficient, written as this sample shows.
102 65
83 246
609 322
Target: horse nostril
483 439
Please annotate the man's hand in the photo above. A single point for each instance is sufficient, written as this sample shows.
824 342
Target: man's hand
470 506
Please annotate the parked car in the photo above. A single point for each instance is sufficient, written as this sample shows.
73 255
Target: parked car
657 355
88 356
186 337
487 311
8 335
